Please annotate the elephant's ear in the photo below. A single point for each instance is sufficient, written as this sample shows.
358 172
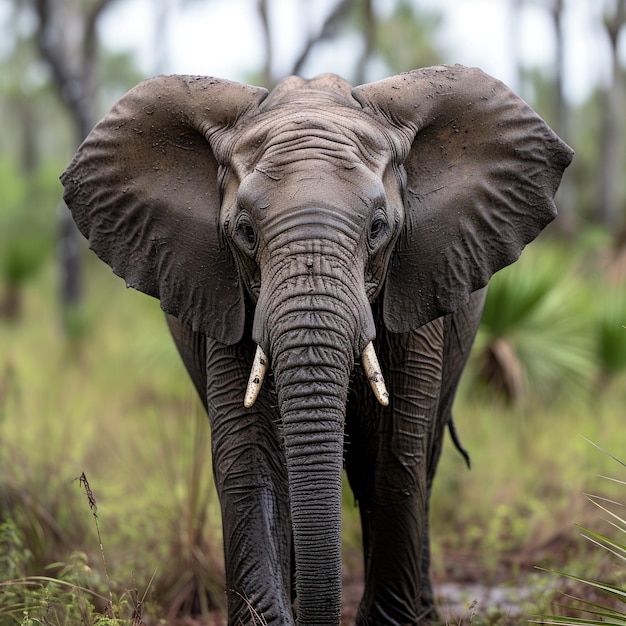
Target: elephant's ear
482 170
143 189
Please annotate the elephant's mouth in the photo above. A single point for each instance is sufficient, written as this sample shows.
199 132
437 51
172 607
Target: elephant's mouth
369 361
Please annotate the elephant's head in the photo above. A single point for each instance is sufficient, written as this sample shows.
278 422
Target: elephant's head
314 201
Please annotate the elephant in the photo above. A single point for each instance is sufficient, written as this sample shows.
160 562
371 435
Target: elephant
308 244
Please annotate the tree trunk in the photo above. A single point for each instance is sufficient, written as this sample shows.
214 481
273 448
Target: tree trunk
610 200
72 63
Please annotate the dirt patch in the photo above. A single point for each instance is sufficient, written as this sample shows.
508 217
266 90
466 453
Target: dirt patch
466 589
458 602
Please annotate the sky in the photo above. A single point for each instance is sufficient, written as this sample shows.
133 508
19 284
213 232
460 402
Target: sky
222 38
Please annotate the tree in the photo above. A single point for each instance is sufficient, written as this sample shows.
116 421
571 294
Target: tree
557 11
26 99
330 28
405 40
67 40
400 39
611 154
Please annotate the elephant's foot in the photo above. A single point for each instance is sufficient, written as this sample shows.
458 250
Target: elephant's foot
378 616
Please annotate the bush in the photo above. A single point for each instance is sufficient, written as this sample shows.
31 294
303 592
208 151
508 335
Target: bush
26 232
535 331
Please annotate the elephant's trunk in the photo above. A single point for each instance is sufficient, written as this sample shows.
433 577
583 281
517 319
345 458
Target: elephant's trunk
312 401
312 334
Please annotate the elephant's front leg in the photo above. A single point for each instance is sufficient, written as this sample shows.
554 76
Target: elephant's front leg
252 486
387 462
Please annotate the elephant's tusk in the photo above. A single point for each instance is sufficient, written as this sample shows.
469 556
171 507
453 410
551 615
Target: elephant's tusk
259 367
374 375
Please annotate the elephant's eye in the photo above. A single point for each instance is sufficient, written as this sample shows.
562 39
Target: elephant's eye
378 228
246 233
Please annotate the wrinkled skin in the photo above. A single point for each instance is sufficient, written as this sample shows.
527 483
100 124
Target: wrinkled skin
312 221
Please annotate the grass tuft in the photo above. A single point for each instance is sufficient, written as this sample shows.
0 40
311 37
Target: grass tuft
82 479
597 599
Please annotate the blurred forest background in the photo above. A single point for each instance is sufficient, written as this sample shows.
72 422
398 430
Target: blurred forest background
90 382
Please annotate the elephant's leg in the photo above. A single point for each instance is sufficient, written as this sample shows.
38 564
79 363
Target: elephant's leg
442 421
428 595
191 347
459 331
387 462
252 486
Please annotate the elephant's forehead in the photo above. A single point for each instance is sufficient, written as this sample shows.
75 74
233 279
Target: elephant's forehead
296 132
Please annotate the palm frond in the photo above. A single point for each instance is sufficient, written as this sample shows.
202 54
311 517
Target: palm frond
536 316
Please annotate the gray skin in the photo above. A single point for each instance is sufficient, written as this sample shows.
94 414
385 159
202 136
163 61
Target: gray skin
311 221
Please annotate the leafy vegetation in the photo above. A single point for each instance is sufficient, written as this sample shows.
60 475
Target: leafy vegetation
534 329
26 233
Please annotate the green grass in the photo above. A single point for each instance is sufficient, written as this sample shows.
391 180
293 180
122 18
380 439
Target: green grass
114 402
599 597
117 406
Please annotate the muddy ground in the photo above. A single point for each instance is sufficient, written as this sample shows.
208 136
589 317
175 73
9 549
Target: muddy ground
467 592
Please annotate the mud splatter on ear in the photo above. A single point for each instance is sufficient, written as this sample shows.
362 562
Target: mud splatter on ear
143 189
482 172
